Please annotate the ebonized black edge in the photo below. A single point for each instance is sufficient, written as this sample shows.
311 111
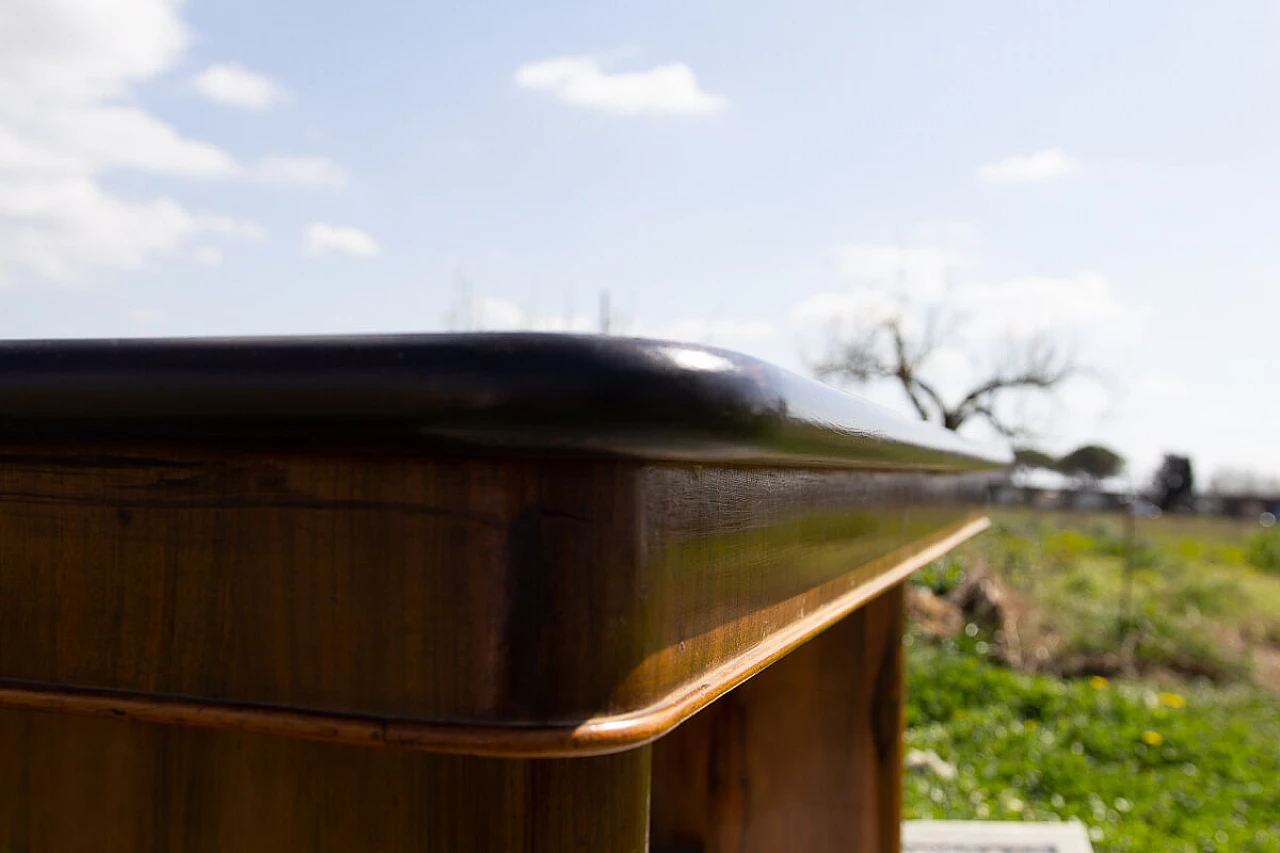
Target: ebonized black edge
524 393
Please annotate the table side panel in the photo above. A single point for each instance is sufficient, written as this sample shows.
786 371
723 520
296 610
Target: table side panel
418 592
75 783
445 589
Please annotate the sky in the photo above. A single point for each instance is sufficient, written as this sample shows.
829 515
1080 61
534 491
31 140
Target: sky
757 176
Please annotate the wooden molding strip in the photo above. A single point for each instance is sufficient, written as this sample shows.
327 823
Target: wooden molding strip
596 736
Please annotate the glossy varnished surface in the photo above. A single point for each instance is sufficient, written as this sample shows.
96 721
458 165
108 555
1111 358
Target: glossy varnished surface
509 606
807 756
75 784
539 553
637 398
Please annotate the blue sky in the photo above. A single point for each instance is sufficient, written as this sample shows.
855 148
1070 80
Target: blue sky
746 174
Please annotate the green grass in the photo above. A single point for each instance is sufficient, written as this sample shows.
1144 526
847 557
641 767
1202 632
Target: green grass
1196 606
1179 750
1142 775
1264 550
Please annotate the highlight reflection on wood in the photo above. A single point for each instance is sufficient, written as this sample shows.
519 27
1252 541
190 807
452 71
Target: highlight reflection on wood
453 594
429 602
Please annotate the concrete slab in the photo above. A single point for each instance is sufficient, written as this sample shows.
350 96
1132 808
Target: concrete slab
986 836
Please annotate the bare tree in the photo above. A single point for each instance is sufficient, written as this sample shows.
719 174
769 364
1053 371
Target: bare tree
886 350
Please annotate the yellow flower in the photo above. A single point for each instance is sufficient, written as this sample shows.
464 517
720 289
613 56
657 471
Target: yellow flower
1151 738
1098 682
1172 700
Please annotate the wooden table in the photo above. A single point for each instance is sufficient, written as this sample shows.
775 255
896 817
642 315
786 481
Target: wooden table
454 593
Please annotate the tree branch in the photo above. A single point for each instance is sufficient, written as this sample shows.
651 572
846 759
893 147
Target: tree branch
886 351
906 368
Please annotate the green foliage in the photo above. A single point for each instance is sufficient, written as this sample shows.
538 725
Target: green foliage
1228 555
1163 640
1190 549
1092 461
1143 552
1029 457
1207 552
1143 772
1263 551
941 576
1199 594
1074 569
1146 771
1012 553
1066 546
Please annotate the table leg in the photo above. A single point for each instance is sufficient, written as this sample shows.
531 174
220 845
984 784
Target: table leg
805 757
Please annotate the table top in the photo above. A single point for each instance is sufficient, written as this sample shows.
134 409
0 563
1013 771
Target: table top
538 393
505 544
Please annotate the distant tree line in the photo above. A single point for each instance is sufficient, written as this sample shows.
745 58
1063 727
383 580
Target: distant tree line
1171 489
1091 462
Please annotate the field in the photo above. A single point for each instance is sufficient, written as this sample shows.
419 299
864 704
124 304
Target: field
1047 682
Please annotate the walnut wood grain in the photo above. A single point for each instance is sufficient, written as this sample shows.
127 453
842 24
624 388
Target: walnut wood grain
70 783
804 757
490 606
538 553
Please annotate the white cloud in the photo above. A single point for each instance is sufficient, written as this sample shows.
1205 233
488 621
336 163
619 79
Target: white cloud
1167 387
237 86
66 71
21 156
952 366
300 171
863 306
492 314
86 51
955 234
61 229
68 115
107 136
919 272
886 280
1013 308
883 279
322 239
1044 165
1087 402
670 89
1033 304
207 256
225 226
